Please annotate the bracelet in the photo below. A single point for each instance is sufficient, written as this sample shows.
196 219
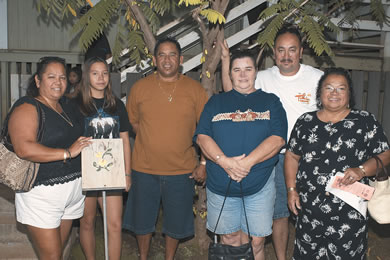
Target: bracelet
70 155
202 162
291 189
128 174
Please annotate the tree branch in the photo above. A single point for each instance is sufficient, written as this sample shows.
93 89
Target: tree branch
295 10
221 7
196 17
149 38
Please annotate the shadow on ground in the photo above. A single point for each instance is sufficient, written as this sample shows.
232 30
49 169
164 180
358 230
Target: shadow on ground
378 248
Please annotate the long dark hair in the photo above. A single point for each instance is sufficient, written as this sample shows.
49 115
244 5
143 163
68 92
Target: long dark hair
83 95
43 63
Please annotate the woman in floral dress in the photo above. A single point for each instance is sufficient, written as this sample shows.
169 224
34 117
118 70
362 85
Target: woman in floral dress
336 138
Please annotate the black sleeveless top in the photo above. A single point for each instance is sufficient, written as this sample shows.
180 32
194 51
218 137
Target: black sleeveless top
57 134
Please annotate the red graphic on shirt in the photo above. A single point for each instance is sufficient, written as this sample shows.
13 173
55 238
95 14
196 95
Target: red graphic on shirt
239 116
303 98
243 116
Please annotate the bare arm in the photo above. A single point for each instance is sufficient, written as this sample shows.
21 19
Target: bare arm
230 164
135 127
369 169
23 127
199 174
127 154
265 150
225 60
290 172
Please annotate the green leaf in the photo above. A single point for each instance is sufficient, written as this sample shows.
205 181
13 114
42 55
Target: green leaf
151 16
213 16
379 13
191 2
315 35
95 21
267 36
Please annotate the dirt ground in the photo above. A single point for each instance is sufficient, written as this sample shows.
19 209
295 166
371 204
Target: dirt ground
379 245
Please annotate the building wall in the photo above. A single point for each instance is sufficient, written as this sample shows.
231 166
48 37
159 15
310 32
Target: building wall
30 31
3 25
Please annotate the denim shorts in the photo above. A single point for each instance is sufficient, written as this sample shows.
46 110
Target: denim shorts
174 192
281 207
259 209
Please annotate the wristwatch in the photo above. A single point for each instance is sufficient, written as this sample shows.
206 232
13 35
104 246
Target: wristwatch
361 167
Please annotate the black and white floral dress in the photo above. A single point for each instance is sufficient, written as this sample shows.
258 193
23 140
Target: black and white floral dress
326 227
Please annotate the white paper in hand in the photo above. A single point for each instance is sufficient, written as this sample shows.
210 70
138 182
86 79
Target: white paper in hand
353 200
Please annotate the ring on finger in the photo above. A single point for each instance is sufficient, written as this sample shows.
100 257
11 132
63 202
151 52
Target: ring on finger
351 178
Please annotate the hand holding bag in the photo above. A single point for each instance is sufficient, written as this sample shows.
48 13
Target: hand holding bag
379 205
219 251
16 173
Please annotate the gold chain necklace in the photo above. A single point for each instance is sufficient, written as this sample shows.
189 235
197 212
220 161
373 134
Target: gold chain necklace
170 96
66 117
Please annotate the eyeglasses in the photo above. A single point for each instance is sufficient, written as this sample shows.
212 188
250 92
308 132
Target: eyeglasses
339 90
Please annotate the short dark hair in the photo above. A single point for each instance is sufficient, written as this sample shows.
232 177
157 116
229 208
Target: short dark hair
335 71
289 29
43 63
164 40
241 54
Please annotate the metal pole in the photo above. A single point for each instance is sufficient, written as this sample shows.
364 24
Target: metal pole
105 226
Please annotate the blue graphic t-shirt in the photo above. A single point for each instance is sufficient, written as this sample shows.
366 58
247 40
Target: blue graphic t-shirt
238 123
106 125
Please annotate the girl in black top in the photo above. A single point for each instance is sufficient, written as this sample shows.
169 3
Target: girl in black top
104 116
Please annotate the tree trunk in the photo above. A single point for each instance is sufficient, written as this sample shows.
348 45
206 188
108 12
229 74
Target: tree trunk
149 38
212 38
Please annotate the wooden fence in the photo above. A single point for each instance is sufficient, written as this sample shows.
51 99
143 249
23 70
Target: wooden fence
372 88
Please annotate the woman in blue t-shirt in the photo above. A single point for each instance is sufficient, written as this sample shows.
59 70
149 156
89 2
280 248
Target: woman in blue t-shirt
241 132
104 116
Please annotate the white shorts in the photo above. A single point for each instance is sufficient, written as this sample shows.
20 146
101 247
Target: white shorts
45 206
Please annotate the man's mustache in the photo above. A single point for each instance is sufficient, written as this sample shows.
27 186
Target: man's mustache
286 60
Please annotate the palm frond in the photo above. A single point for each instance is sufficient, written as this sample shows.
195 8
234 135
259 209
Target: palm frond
95 21
163 6
315 35
151 16
267 36
379 13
